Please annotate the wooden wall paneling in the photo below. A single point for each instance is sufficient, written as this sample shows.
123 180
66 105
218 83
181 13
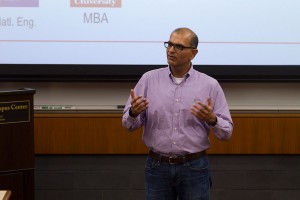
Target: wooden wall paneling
85 134
261 134
104 134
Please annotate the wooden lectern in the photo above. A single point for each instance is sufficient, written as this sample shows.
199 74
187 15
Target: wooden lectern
17 143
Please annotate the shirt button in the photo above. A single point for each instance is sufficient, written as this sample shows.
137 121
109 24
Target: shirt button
175 129
174 142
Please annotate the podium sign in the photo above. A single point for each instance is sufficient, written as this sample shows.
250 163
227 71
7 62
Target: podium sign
17 143
14 112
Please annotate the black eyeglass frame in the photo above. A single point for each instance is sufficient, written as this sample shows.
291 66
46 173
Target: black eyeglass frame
179 47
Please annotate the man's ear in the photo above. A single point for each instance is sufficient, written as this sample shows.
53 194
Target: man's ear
195 51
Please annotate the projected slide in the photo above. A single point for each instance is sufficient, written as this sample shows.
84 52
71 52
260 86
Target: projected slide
19 3
231 32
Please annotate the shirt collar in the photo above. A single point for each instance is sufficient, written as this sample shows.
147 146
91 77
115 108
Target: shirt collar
187 75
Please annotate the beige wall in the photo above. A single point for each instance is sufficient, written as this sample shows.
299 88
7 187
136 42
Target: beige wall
107 95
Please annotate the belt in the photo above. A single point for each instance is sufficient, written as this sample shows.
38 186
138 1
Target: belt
176 159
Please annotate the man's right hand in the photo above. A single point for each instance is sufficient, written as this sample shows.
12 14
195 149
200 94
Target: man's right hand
138 104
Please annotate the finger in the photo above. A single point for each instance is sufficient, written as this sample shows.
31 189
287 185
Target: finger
201 106
197 113
200 110
141 106
209 102
132 94
197 109
141 102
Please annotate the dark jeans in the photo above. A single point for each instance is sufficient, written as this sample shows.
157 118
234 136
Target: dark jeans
188 181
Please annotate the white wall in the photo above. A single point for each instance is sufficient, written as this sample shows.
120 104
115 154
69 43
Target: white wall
107 95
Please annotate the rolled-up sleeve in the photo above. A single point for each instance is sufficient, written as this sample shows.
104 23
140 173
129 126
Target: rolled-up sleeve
223 129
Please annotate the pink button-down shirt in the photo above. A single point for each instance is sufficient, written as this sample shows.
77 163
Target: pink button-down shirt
169 126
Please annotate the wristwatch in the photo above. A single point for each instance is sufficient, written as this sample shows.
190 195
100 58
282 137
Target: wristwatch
131 114
213 123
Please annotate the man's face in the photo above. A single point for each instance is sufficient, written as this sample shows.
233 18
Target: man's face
177 58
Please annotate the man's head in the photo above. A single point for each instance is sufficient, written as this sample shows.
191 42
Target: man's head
181 48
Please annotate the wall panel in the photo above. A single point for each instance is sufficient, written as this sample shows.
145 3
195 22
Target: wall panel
104 134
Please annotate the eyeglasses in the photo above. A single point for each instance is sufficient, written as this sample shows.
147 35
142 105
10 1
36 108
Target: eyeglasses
178 47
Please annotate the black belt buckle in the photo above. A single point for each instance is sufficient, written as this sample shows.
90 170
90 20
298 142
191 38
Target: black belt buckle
173 159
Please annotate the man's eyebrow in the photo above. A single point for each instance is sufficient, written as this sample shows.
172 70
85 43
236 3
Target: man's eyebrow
176 44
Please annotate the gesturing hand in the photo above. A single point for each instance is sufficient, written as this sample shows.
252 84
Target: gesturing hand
138 104
204 111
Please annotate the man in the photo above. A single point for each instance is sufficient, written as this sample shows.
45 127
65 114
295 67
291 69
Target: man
178 106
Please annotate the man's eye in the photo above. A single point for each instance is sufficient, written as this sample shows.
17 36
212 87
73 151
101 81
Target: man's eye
178 46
